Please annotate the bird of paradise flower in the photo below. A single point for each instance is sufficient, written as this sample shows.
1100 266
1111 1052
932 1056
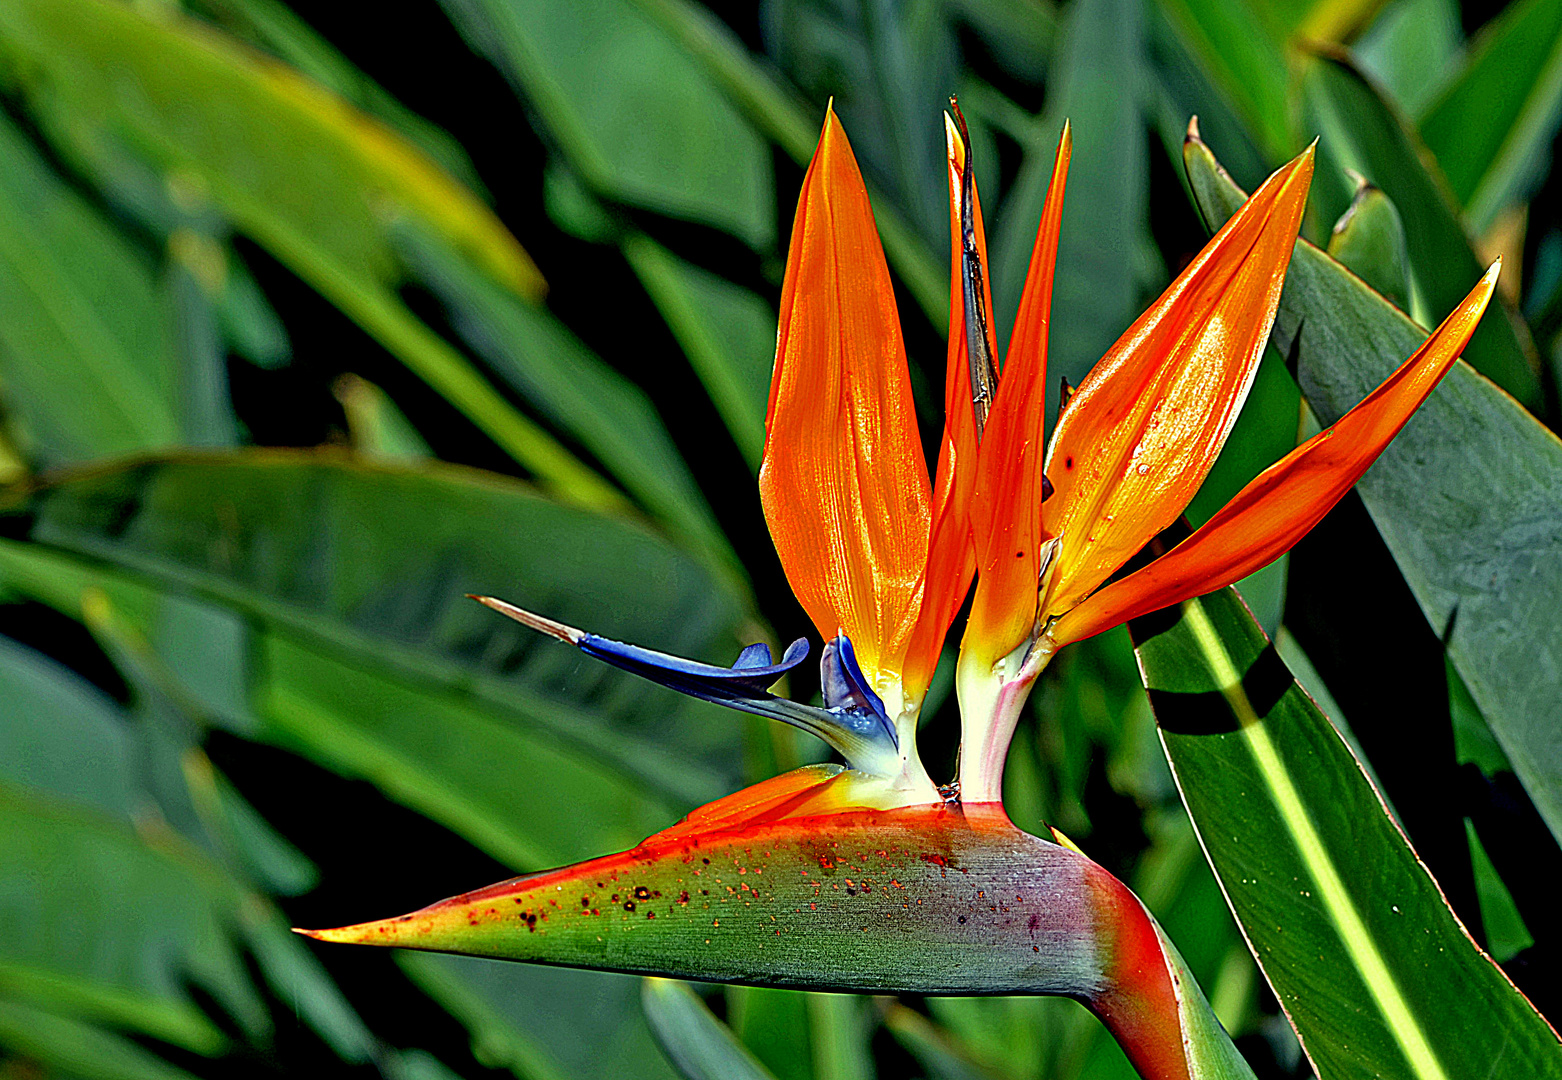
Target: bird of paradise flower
868 876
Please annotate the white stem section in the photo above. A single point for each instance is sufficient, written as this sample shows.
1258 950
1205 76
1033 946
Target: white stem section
991 697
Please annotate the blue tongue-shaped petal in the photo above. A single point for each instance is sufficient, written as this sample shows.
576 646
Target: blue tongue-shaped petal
846 689
854 724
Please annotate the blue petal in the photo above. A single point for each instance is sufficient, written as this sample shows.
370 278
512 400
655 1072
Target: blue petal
846 689
752 674
855 726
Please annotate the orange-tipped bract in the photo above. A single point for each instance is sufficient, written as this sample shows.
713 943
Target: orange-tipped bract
843 482
1285 501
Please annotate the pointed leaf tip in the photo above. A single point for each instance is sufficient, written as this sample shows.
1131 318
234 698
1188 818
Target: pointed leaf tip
568 634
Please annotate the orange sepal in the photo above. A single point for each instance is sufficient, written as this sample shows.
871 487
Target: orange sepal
1006 511
843 483
1143 430
1286 500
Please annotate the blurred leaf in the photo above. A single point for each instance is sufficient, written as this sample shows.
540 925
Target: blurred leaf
1369 241
85 349
313 180
773 1024
1105 215
76 1049
699 160
366 655
1410 49
1361 132
702 1047
1245 60
1491 128
727 332
1317 872
889 69
541 359
543 1023
276 28
111 926
61 734
775 109
942 1056
1019 35
1467 496
377 428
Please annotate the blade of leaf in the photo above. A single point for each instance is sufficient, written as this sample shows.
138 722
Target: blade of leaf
701 160
382 614
1105 212
1313 866
78 1049
1411 48
540 358
1491 127
702 1047
1361 131
84 341
1467 496
1244 59
307 176
727 332
544 1023
776 110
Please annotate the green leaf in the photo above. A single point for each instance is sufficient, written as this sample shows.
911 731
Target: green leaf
541 359
727 332
699 160
1361 132
1410 48
543 1023
377 428
77 1049
85 347
1320 877
1105 214
702 1047
109 926
1246 62
375 663
1369 241
776 110
1467 497
317 183
1491 128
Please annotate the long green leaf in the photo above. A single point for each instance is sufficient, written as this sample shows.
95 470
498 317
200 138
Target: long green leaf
544 1023
349 660
699 160
542 360
727 332
1374 971
1105 215
1468 496
303 173
775 109
701 1046
1491 128
85 346
1361 132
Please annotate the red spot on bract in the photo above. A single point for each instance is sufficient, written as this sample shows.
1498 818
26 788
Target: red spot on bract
936 860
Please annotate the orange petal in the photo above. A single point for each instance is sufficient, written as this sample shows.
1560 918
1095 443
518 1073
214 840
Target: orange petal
951 560
1291 496
843 483
1145 426
1006 512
